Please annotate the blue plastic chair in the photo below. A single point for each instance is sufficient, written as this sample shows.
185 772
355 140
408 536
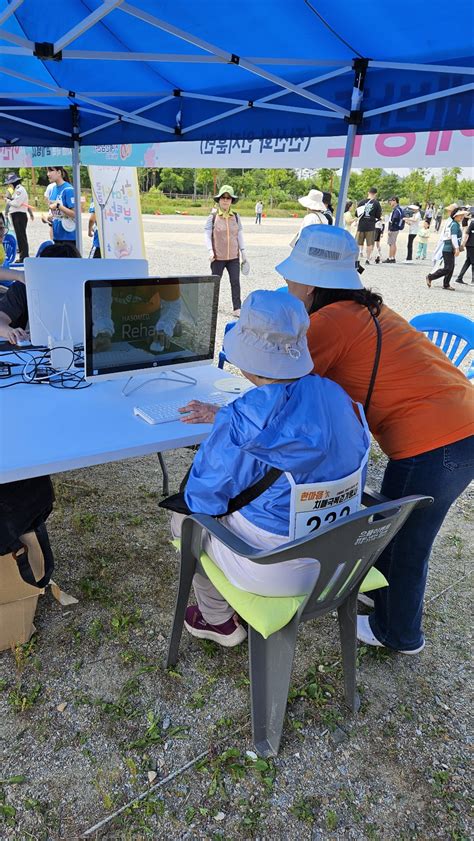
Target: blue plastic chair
453 334
222 356
230 324
9 244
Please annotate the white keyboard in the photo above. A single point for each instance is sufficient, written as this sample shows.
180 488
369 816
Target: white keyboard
160 412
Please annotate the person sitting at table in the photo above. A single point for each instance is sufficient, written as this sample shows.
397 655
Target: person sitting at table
303 425
14 306
421 414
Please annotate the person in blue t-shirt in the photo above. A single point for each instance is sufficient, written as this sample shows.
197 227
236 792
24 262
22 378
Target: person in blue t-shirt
93 232
61 205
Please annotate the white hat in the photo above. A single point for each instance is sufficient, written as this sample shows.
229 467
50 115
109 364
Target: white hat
269 338
313 201
324 256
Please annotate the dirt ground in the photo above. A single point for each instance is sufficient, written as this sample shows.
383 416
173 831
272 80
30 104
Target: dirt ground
90 721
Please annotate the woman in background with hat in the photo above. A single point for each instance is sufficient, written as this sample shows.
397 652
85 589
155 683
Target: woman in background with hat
18 210
225 242
420 411
413 223
313 202
304 426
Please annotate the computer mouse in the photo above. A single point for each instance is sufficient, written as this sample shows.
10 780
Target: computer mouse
23 343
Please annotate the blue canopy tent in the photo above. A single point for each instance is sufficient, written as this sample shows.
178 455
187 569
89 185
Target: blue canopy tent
90 72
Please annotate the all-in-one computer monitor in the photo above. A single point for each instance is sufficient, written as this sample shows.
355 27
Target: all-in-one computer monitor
149 326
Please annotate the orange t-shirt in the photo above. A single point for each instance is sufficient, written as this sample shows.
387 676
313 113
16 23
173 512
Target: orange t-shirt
420 400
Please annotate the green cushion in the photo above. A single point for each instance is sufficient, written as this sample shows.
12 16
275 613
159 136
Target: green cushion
267 614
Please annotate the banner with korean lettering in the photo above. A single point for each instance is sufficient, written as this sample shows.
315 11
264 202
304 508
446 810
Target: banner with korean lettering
116 200
13 157
425 149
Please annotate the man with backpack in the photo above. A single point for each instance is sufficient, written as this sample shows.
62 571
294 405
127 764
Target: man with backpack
396 223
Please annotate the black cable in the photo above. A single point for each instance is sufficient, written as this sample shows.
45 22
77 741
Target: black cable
37 370
333 31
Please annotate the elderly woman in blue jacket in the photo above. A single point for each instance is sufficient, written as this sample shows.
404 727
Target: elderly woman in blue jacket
300 423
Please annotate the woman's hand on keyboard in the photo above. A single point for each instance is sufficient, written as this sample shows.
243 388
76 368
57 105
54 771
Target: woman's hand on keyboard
197 412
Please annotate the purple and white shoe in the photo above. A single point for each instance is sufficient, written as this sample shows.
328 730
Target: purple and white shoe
228 634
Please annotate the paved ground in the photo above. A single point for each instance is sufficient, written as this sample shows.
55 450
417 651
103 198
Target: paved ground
89 719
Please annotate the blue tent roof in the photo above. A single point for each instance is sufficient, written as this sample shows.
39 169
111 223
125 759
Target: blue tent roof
179 70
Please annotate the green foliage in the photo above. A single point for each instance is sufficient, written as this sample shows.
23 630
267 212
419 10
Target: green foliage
279 189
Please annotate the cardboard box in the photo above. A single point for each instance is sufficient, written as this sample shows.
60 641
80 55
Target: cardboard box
18 600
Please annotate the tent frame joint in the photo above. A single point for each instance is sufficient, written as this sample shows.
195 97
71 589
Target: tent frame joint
177 92
355 118
45 51
234 59
360 65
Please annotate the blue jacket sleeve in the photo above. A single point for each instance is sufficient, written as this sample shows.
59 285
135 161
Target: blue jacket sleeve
221 470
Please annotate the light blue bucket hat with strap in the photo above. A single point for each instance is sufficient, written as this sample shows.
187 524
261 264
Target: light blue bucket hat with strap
269 339
324 256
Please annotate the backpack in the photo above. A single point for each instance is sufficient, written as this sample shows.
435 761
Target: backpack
401 221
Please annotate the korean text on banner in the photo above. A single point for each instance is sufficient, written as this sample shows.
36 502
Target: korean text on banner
116 200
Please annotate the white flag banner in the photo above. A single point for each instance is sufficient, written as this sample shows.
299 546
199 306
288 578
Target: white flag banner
116 200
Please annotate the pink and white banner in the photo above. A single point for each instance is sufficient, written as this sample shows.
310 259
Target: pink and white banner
424 149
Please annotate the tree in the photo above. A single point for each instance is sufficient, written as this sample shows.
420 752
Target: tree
414 185
448 186
171 181
204 180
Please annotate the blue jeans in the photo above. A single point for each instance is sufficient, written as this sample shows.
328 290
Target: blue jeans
444 474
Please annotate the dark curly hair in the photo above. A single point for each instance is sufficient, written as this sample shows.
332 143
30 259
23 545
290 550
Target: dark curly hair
60 249
365 297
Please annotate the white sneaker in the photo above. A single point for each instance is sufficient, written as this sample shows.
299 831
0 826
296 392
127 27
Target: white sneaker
408 261
364 634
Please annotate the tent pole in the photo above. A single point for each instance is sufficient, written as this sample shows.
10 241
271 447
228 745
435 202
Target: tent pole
346 174
76 181
76 176
360 68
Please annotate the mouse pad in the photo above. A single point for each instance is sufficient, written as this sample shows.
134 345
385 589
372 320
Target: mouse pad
233 385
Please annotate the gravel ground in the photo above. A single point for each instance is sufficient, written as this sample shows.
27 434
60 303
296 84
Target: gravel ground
88 715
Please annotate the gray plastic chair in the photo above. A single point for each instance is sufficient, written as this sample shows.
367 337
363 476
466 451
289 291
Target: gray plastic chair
346 551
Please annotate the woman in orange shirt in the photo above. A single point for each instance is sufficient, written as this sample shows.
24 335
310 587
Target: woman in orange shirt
421 413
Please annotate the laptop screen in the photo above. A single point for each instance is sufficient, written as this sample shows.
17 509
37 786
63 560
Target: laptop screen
149 324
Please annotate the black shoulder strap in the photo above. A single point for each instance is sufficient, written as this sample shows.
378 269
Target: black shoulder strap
249 494
376 363
176 502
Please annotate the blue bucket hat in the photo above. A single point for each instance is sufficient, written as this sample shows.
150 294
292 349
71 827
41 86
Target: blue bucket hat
269 339
324 256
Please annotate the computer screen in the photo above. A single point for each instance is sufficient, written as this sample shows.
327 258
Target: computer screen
149 325
55 293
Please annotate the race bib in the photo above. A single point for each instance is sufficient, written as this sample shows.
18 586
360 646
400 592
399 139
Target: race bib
320 504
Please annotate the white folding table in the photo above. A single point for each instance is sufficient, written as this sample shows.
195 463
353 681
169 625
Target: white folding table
48 430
